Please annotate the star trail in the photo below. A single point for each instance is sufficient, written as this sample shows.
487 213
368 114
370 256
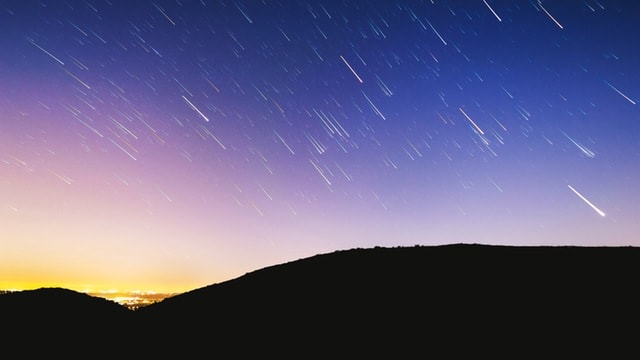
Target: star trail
167 145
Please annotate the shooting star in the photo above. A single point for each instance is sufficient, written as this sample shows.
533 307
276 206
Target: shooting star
77 79
320 172
549 14
493 12
620 93
436 32
46 52
350 68
471 121
165 14
195 109
582 148
600 212
61 177
284 143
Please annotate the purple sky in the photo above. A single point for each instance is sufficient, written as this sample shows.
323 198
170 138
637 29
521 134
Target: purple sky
168 145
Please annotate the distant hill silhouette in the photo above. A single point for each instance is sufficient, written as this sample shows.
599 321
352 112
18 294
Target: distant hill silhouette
62 321
459 298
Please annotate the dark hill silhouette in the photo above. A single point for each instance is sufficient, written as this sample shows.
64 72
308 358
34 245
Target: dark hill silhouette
470 296
384 302
62 321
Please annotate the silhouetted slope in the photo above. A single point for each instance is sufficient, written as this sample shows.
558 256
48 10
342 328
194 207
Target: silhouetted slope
62 321
362 300
432 301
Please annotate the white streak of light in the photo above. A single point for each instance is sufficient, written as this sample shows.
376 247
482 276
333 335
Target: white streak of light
284 34
46 52
344 173
373 106
77 79
620 92
499 123
63 178
165 15
212 85
75 114
508 93
244 14
18 160
471 121
265 192
284 143
350 68
436 32
586 151
380 201
600 212
256 208
320 171
496 185
549 15
490 8
195 108
208 132
122 149
165 195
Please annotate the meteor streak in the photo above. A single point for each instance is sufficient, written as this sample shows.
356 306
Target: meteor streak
350 68
585 150
490 8
165 14
471 121
284 143
46 52
77 79
549 15
436 32
600 212
195 109
620 93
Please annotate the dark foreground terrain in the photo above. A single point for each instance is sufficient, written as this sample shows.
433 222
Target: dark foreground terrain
423 301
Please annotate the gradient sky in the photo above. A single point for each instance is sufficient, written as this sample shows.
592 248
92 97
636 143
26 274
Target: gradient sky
169 145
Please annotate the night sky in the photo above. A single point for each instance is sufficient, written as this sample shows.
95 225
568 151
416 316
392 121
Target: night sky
168 145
